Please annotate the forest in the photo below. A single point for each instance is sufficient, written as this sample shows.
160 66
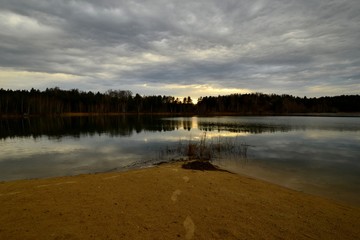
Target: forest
55 101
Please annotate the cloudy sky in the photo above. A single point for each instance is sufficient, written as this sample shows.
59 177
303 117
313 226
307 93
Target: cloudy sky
181 48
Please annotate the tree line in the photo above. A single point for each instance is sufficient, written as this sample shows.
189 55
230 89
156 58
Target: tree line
55 101
265 104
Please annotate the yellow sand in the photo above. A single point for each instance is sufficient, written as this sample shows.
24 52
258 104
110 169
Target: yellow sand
168 202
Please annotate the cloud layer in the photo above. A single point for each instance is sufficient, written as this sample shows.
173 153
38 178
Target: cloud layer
182 48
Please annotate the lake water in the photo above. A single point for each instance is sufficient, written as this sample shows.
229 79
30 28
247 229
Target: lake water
318 155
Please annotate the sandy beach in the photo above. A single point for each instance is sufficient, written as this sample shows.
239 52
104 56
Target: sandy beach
168 202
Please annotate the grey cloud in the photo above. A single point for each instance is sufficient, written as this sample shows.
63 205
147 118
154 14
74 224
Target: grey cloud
266 46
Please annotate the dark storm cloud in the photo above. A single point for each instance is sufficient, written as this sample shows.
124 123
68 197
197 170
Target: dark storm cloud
296 47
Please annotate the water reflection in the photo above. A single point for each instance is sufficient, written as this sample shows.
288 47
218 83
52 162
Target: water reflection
58 127
318 155
278 124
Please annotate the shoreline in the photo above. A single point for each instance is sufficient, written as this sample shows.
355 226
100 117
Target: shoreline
168 202
187 114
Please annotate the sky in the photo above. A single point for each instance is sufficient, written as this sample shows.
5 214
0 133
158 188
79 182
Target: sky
182 48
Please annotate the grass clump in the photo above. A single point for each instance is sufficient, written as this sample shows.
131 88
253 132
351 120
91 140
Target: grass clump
198 154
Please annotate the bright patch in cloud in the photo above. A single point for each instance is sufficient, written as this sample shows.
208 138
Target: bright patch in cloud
23 79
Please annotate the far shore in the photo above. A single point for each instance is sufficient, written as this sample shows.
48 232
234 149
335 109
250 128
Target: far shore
168 202
188 114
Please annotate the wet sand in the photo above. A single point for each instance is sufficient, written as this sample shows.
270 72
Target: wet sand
168 202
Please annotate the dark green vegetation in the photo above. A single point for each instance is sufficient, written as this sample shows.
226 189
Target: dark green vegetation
55 101
264 104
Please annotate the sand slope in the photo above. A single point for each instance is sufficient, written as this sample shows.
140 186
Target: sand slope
168 202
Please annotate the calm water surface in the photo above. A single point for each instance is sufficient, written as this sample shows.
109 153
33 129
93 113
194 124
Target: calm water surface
319 155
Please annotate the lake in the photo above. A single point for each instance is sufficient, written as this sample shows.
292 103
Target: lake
317 155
